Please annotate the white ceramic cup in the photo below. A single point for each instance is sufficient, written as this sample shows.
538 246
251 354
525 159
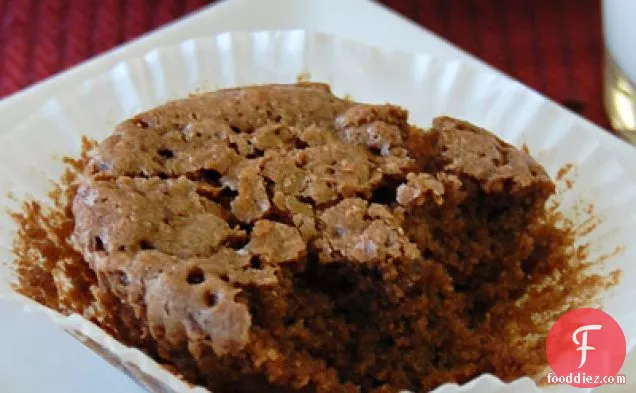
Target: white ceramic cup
619 30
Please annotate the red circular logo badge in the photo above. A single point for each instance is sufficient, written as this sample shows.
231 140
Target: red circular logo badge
586 348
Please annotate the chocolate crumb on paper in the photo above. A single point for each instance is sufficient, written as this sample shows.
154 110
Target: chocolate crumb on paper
281 239
303 77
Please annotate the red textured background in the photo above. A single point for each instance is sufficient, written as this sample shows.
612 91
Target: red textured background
554 46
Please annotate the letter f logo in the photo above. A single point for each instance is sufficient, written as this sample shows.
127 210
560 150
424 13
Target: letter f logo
583 344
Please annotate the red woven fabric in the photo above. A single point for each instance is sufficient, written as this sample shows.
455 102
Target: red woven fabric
554 46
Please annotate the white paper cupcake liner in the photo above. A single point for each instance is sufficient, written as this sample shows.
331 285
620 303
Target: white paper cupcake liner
425 85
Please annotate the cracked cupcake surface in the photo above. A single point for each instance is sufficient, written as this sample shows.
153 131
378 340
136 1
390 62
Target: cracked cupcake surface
280 239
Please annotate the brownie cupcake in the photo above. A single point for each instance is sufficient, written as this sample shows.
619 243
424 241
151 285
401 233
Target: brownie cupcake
280 239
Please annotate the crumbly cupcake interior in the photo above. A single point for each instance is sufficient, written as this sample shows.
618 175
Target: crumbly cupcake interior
280 239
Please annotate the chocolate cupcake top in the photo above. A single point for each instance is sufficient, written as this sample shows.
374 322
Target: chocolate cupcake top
278 238
189 203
